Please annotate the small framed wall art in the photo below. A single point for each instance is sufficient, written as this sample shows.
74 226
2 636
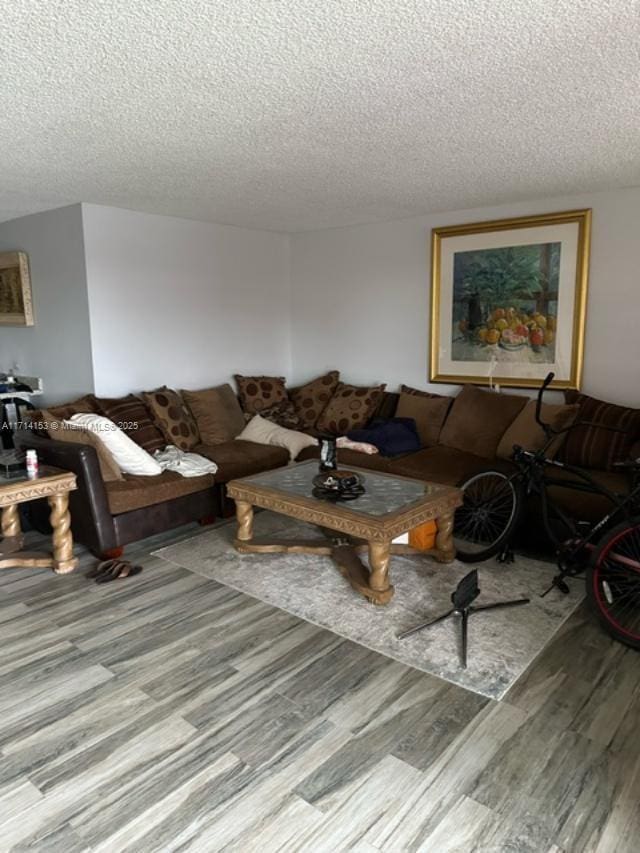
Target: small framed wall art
508 300
16 305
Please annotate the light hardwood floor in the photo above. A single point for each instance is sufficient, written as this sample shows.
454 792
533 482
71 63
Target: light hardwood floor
167 712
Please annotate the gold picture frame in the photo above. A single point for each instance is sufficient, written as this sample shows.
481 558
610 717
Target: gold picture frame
16 303
508 300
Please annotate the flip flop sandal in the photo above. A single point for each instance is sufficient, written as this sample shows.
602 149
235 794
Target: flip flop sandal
100 568
119 569
111 570
128 570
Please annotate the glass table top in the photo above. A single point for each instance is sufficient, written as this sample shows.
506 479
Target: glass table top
21 477
384 493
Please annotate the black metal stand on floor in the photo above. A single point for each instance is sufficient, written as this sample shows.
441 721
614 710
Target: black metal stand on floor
464 594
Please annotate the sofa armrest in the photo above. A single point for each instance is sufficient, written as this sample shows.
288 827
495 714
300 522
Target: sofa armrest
91 519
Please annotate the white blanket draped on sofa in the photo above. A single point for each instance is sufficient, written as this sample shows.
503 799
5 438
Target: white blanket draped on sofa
186 464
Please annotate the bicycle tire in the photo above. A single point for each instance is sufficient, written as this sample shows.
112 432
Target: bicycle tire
492 504
613 583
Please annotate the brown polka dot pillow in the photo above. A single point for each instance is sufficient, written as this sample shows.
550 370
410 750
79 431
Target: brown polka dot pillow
283 414
351 407
311 400
172 417
257 393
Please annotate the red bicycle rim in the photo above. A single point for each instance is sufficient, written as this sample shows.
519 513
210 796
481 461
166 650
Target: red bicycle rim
602 604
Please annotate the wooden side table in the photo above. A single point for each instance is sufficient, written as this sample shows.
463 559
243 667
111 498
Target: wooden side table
54 485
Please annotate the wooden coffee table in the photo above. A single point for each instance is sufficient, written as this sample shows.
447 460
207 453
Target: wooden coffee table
391 506
54 485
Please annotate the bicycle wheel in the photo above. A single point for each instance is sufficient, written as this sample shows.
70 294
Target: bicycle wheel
613 583
487 517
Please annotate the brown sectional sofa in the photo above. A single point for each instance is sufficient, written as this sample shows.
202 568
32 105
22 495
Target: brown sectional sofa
108 515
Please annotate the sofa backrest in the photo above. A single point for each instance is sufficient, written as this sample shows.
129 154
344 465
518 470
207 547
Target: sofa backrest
387 406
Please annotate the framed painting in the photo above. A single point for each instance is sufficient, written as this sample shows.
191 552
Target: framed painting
16 305
508 300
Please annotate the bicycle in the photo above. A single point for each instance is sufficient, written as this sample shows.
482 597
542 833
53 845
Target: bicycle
609 550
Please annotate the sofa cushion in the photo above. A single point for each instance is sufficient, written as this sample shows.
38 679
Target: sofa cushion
443 465
76 434
173 418
240 458
583 505
135 492
310 400
478 420
260 392
387 405
351 407
134 419
82 406
429 411
264 432
592 446
217 413
525 432
417 392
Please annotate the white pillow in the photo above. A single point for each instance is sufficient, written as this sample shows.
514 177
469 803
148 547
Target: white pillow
262 431
129 456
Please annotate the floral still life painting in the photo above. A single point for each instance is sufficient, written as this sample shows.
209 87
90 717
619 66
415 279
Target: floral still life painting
507 297
508 300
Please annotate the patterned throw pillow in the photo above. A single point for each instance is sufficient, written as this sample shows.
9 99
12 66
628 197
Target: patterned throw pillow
351 407
257 393
311 400
283 414
407 389
86 405
132 416
172 417
592 446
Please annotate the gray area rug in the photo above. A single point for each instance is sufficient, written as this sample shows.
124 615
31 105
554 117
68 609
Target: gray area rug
501 644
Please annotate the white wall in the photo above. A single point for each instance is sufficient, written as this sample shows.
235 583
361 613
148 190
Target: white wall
182 302
166 300
361 296
57 347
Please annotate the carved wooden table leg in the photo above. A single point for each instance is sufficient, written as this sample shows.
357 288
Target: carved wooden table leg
381 591
11 527
12 538
445 551
244 514
10 521
63 559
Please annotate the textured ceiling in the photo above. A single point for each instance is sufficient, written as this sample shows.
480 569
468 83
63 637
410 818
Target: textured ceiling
302 114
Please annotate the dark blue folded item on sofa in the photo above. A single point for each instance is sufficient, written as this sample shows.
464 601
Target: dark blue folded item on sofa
392 437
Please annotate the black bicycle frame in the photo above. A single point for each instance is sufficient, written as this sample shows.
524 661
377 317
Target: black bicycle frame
533 476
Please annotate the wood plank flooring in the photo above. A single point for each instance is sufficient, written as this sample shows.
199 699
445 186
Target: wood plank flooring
167 712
